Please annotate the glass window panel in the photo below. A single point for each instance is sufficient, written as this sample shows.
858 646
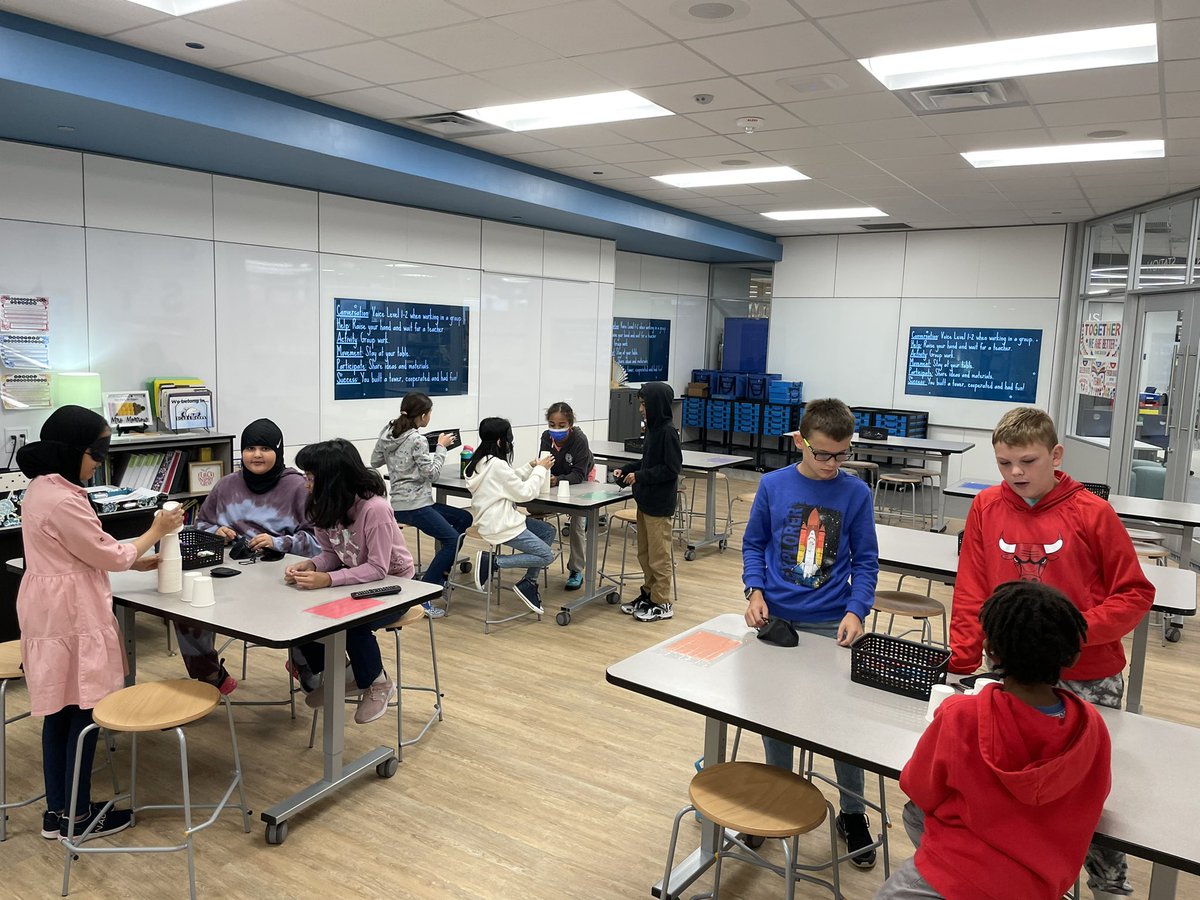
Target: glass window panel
1166 240
1108 267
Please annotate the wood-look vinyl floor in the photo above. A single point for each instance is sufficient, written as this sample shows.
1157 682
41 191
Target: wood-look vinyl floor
542 782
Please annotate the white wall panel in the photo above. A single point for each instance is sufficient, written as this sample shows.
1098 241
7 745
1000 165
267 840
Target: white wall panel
41 184
693 278
660 275
604 317
571 256
569 338
1021 262
151 310
808 267
687 340
381 279
512 318
133 196
514 249
627 272
870 265
443 239
266 215
944 263
608 261
264 291
355 227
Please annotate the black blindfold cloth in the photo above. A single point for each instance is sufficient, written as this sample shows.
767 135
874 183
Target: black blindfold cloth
780 632
69 433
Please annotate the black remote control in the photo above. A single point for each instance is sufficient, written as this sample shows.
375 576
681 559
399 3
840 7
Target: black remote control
385 591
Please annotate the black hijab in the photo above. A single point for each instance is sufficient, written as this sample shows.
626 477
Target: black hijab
263 433
65 437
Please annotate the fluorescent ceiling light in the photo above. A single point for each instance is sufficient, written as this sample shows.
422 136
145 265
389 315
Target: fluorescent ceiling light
1064 153
182 7
615 106
739 176
1066 52
853 212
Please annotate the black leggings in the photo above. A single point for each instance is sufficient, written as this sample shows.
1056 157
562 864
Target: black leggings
60 734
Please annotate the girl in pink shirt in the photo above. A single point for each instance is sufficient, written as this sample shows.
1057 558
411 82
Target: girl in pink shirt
71 646
360 542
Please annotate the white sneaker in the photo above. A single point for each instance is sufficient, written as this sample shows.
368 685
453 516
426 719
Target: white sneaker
653 612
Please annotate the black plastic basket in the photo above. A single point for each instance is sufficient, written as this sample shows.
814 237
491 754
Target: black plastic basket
200 549
896 665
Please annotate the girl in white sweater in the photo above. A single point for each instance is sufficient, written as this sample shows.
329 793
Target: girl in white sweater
496 487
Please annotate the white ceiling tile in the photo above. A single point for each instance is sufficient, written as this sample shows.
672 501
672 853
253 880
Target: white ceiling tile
1022 18
724 121
597 172
880 184
716 164
585 26
380 102
818 8
933 162
671 16
579 136
1183 105
767 49
509 143
1122 81
776 85
548 159
1180 39
384 18
456 92
665 166
901 147
500 7
379 62
1099 112
726 93
922 26
1183 75
1178 9
858 108
169 36
1183 128
297 76
698 146
785 139
643 66
277 24
626 153
853 132
983 121
817 162
664 128
568 79
1031 137
1149 129
102 17
479 45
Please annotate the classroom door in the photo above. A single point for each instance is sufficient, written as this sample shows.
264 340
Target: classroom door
1163 445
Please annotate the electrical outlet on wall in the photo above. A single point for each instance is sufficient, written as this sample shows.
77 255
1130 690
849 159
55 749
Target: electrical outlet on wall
21 435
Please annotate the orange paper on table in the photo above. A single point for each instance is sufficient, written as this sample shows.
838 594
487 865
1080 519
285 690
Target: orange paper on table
703 646
346 606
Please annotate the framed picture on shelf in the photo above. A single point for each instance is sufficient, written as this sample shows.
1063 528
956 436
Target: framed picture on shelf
128 410
203 476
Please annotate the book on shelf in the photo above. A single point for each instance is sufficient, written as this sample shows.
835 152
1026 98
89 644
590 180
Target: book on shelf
161 471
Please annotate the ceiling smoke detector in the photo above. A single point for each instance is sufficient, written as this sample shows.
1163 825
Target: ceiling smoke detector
750 124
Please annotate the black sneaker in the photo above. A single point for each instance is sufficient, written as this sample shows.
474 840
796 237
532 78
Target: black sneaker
106 822
50 822
642 601
482 569
753 841
652 612
528 592
855 830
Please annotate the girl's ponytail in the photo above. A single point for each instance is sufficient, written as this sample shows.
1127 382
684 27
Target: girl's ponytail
414 405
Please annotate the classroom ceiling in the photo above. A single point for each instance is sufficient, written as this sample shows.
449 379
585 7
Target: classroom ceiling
790 63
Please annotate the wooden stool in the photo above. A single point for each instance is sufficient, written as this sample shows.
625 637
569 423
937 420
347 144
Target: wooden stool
894 484
1155 552
627 519
413 615
10 670
913 606
933 478
757 799
1141 536
490 592
156 706
864 469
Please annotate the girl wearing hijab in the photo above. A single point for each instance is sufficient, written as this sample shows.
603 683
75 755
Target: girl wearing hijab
70 643
264 503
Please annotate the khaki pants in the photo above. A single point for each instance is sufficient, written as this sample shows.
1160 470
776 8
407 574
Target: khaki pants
654 556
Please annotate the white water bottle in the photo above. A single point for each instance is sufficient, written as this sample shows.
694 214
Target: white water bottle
170 564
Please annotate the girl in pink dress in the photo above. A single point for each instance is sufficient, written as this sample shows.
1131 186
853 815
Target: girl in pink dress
71 646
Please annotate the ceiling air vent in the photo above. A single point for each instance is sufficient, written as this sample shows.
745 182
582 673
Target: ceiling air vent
961 97
887 226
451 125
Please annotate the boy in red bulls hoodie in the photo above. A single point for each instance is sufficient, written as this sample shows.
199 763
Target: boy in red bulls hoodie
1008 785
1041 525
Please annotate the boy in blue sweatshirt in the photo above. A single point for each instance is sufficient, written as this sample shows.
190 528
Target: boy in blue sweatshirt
810 557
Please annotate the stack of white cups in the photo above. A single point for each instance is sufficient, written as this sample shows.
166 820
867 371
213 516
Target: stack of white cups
170 559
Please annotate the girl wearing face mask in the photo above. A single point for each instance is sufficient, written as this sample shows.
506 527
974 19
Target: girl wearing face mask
572 463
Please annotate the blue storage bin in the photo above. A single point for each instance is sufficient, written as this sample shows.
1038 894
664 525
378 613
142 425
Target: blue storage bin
785 391
728 385
758 385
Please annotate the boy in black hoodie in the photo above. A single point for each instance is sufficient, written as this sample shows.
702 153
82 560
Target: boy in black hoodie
655 479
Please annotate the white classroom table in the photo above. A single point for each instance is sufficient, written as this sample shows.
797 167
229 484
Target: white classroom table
257 606
907 551
815 705
706 464
587 499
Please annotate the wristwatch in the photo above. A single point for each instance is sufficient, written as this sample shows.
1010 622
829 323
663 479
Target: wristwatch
751 590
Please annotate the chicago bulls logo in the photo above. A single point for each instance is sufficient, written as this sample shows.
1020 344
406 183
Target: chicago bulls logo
1030 559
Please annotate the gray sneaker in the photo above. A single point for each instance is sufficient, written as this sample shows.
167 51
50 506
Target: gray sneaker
316 698
375 700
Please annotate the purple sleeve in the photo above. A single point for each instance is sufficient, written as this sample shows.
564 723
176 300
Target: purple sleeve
374 532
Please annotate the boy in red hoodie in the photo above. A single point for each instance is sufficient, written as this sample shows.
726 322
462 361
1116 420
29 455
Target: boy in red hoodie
1041 525
1008 785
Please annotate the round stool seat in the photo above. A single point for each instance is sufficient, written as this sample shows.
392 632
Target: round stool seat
858 464
758 799
904 603
156 705
10 660
921 473
623 515
412 614
1142 536
893 478
473 532
1151 551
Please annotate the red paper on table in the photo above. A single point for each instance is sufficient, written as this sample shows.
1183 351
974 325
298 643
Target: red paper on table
346 606
702 646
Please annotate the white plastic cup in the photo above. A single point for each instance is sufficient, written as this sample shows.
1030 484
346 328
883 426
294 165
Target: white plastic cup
189 584
601 473
171 506
564 490
202 591
937 695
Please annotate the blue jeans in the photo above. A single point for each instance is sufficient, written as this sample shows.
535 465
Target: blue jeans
444 524
60 734
361 646
779 753
534 546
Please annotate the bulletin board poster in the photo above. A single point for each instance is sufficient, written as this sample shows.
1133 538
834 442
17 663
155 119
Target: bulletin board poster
386 348
642 347
1099 346
998 364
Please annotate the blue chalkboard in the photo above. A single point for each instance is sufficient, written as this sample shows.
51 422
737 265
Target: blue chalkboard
974 363
384 348
642 346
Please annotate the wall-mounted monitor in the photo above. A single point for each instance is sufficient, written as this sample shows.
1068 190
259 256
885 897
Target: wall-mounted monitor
974 363
386 348
642 347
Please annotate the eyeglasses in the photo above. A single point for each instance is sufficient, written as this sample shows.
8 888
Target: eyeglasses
824 455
